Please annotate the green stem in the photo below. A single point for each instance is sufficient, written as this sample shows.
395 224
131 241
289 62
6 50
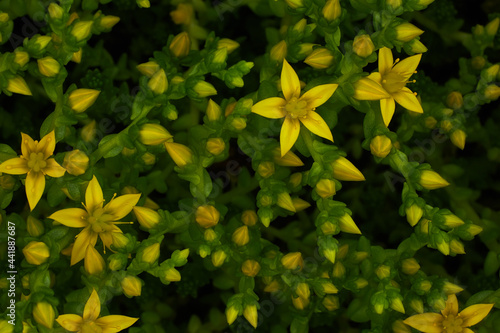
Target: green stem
309 143
238 191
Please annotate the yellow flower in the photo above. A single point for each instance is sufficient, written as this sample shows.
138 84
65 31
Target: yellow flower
296 109
450 321
36 163
389 84
90 321
95 219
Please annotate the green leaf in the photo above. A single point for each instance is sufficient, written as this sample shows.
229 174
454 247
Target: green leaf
111 144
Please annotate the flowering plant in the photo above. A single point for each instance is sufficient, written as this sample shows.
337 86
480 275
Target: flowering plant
239 166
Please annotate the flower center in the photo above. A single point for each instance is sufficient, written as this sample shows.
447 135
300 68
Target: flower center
393 82
90 327
99 221
36 162
452 324
296 108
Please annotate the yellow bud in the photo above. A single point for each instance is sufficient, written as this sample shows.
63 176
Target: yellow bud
383 272
279 51
361 283
82 30
457 246
394 4
183 14
154 134
292 260
109 21
407 31
89 131
452 221
151 253
289 159
300 26
143 3
77 56
181 154
158 83
148 68
455 100
147 217
204 89
451 288
207 216
329 288
328 228
343 169
325 188
241 236
425 2
81 99
417 46
300 204
36 253
363 45
417 305
300 303
397 304
76 162
181 44
409 266
228 44
272 287
250 314
446 124
491 92
347 224
439 305
285 201
295 179
431 180
210 235
381 146
231 314
148 158
172 275
115 264
44 314
229 108
303 290
331 303
17 85
305 49
443 247
266 169
492 27
42 41
21 58
4 17
131 285
320 58
220 56
94 263
359 256
424 226
213 111
267 200
332 10
7 182
250 268
215 146
492 72
34 226
478 62
249 218
218 258
414 214
458 138
430 122
294 3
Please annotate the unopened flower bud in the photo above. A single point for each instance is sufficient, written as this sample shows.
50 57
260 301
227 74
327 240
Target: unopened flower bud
210 235
207 216
410 266
457 247
147 217
82 30
250 268
231 314
204 89
249 218
42 41
294 3
44 314
266 169
215 146
457 137
417 46
17 85
218 258
158 83
76 162
451 288
492 92
151 253
332 10
325 188
320 58
452 221
279 51
180 45
431 180
343 169
148 68
154 134
285 201
180 154
250 314
228 44
492 27
131 285
94 263
81 99
172 275
36 253
241 236
414 214
292 260
455 100
347 224
383 272
331 303
109 21
381 146
363 45
405 32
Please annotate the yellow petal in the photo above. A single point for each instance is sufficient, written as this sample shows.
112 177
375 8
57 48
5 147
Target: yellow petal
94 262
369 90
115 323
28 145
387 107
122 205
53 169
47 145
71 217
426 322
385 60
407 66
319 94
289 82
70 322
375 76
85 238
92 307
289 134
408 100
451 306
15 166
35 184
317 125
467 330
93 195
475 313
272 108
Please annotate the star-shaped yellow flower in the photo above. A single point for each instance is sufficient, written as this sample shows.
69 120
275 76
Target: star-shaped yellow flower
90 323
36 163
389 84
296 109
450 321
95 219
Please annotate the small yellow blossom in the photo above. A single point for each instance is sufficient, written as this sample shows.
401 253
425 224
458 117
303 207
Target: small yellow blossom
76 162
320 58
207 216
148 68
90 322
215 146
250 314
380 146
131 285
363 45
36 163
96 219
180 45
17 85
414 214
389 84
44 314
154 134
405 32
343 169
48 66
292 260
431 180
82 30
81 99
36 253
325 188
332 10
250 268
147 217
158 83
296 109
180 154
241 236
450 320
